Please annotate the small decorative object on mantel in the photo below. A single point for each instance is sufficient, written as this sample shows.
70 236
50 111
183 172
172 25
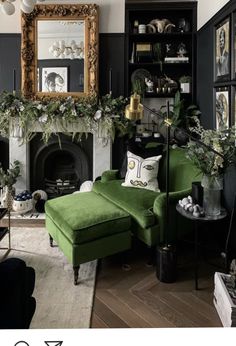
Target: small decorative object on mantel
39 194
39 199
22 202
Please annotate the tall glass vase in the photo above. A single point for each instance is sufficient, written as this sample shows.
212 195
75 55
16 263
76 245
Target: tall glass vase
212 187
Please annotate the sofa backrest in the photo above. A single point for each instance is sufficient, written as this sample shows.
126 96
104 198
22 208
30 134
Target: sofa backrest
182 172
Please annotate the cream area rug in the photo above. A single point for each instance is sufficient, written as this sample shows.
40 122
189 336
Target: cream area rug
59 303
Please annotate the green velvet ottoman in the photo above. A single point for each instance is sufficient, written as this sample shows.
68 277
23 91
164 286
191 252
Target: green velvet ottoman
86 226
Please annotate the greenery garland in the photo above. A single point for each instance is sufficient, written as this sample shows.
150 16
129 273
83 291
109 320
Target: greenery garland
90 113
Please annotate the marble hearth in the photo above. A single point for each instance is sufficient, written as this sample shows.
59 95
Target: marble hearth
21 151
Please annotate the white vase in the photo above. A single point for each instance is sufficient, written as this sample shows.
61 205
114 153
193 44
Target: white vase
185 88
212 187
7 198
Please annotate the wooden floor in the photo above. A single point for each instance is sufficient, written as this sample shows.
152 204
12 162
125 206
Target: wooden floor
136 299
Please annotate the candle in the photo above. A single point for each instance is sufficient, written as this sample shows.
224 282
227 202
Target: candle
14 81
110 81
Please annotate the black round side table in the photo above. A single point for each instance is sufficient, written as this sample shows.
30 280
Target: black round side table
197 221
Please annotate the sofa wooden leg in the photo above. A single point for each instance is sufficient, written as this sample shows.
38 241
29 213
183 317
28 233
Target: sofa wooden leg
76 274
125 260
51 240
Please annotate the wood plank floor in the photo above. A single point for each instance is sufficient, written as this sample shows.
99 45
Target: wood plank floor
136 299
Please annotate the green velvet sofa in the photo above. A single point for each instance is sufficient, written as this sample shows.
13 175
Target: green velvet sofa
102 222
148 208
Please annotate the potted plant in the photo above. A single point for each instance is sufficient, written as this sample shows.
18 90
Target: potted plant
182 118
185 82
212 163
138 86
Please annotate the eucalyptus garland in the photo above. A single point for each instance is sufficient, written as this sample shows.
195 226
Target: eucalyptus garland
90 113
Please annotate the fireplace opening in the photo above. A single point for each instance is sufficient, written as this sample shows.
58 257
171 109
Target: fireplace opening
60 171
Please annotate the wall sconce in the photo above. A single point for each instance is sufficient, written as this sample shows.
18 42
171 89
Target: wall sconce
27 6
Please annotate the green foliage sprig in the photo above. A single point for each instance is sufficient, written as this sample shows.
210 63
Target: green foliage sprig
180 115
222 141
9 177
106 113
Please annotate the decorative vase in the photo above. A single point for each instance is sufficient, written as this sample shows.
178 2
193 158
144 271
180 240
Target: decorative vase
7 199
185 88
212 187
180 136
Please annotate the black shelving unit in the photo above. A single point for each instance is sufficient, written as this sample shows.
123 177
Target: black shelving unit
143 12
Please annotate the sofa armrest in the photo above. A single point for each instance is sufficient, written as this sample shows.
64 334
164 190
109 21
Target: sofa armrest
159 209
111 174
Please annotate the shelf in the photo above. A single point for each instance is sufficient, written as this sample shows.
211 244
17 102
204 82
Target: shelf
159 35
160 45
3 232
155 95
137 64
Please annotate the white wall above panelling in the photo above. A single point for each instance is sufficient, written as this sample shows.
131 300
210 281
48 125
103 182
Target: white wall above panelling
111 15
207 9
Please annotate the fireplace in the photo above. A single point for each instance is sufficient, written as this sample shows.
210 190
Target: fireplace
97 159
60 170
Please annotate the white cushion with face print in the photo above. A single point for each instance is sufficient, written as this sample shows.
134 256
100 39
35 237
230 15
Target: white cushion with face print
142 173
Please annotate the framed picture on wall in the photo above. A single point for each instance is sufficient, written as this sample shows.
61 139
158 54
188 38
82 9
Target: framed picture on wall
222 50
55 79
233 107
234 47
222 109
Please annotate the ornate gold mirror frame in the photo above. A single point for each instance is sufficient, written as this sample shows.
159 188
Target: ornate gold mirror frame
86 12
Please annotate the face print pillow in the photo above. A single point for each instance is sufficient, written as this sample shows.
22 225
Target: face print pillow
142 173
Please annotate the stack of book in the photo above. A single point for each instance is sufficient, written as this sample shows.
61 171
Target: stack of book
177 59
225 299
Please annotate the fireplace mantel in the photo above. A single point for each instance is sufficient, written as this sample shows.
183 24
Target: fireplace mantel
19 150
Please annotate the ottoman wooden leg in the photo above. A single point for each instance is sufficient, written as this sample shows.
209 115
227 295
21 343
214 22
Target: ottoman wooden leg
76 274
51 240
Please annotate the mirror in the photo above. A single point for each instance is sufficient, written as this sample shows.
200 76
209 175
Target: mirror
60 51
60 56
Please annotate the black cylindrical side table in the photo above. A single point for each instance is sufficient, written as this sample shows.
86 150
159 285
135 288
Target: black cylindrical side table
197 221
